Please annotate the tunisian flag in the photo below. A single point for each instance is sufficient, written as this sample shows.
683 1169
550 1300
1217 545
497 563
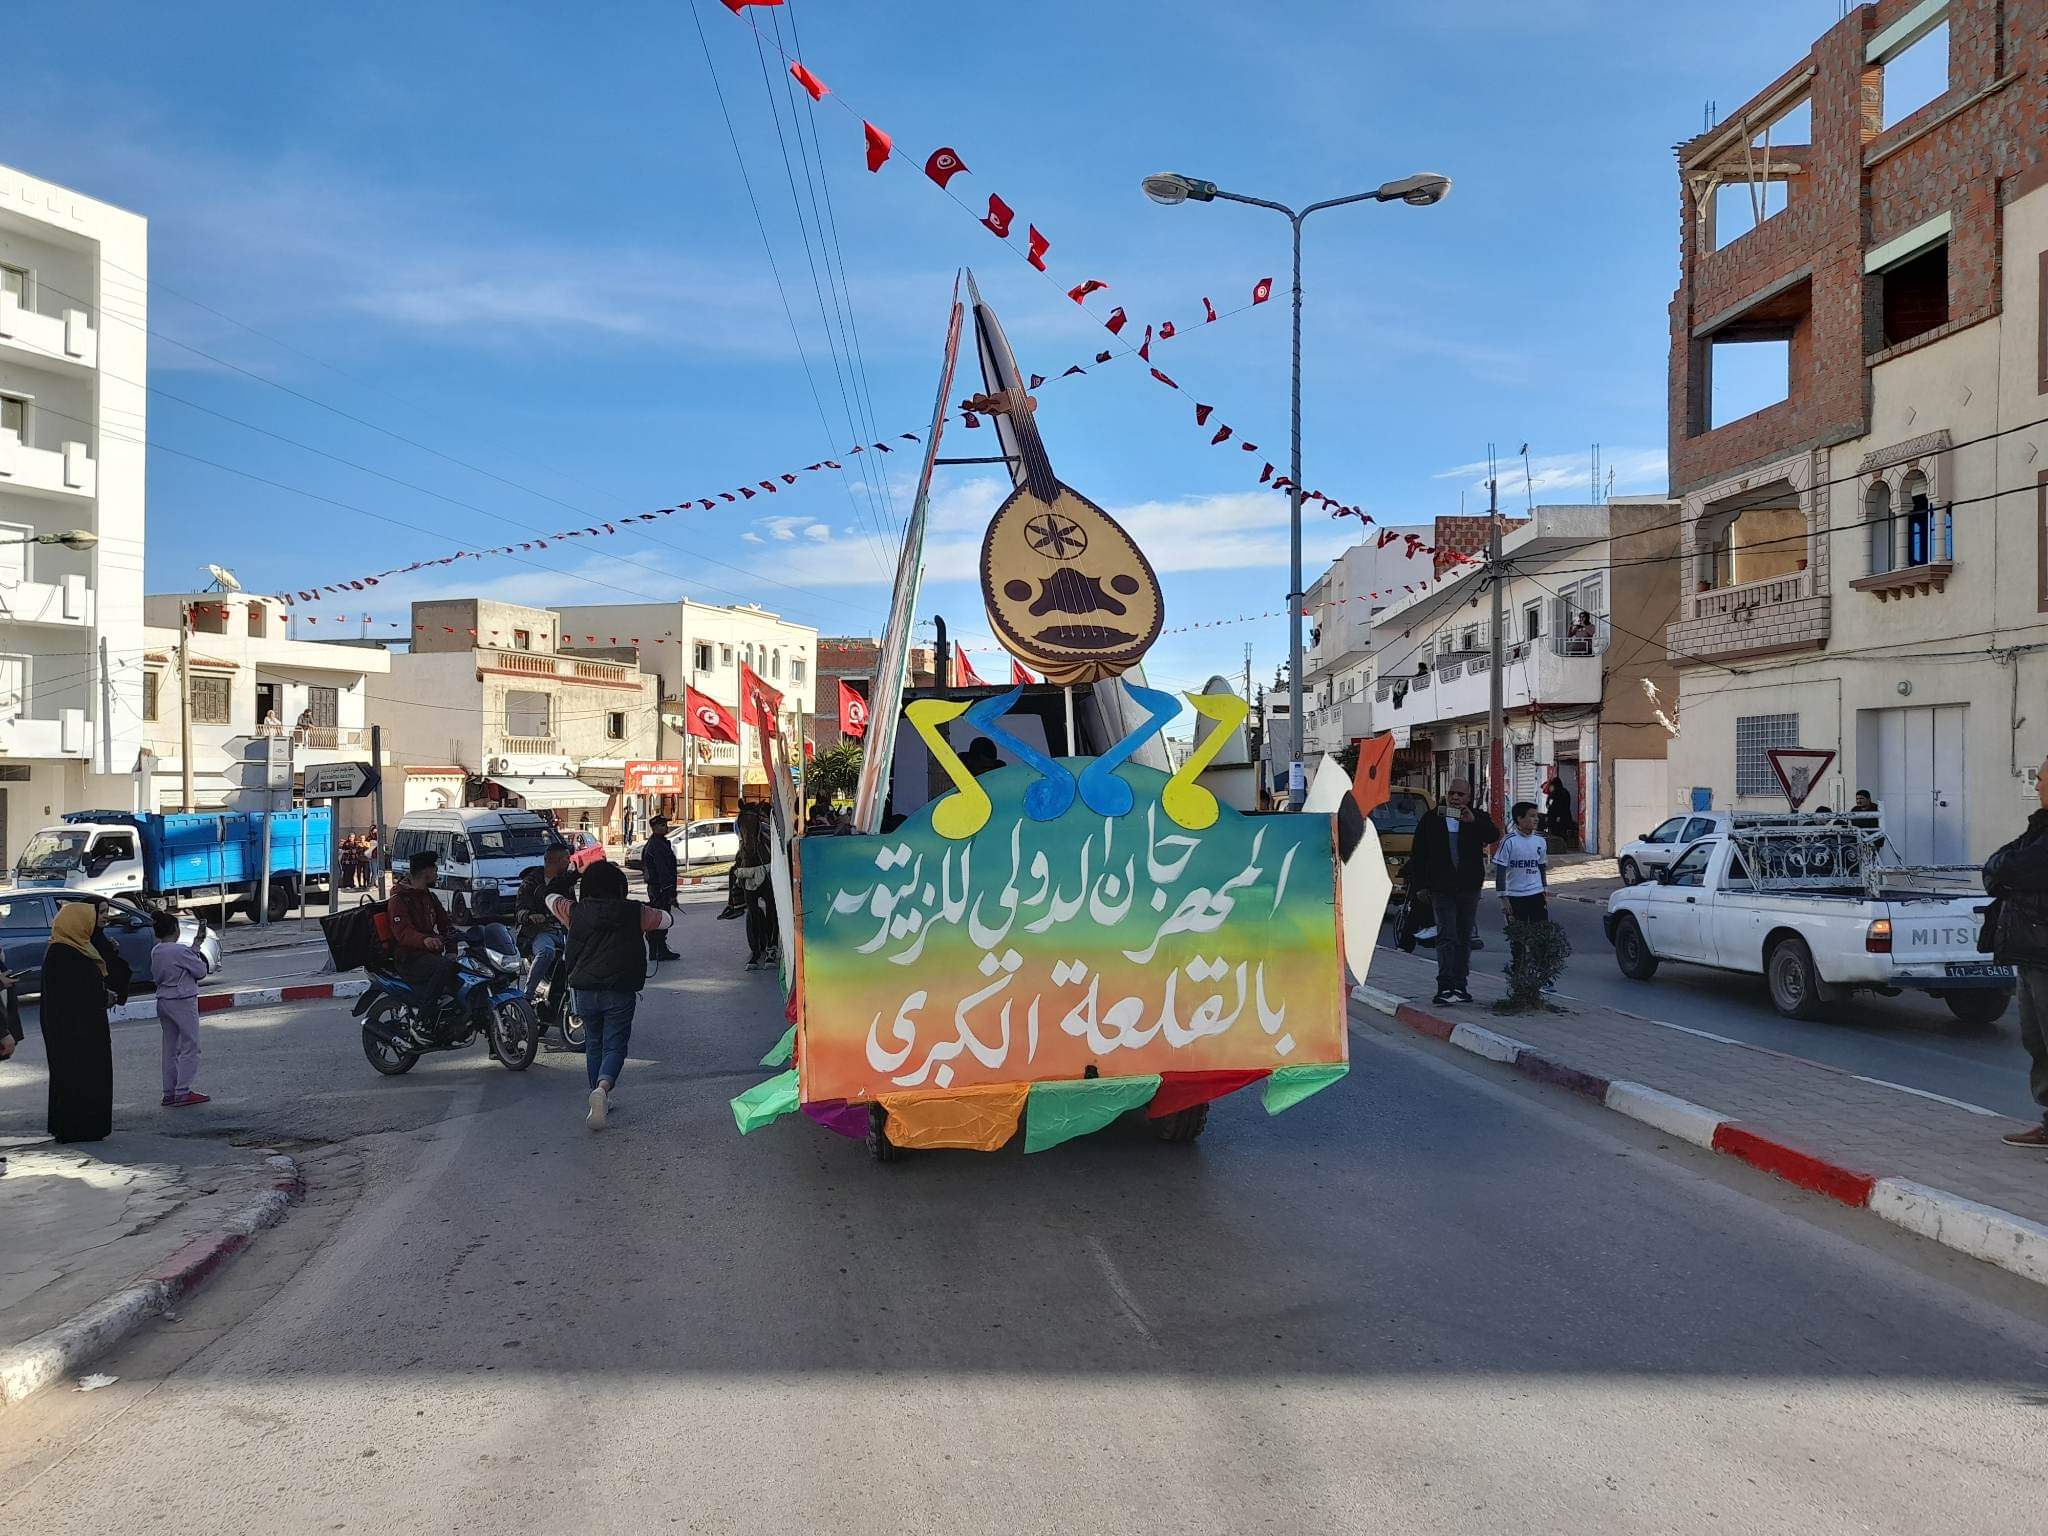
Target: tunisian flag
707 719
760 705
964 675
853 711
1019 673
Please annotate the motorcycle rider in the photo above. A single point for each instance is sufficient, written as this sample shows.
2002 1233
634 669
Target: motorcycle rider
542 935
423 934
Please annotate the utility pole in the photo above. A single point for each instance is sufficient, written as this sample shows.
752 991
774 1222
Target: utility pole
383 861
185 706
1496 714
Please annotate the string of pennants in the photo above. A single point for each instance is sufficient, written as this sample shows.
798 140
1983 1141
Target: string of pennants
945 163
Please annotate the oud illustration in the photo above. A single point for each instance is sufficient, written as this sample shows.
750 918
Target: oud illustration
1068 591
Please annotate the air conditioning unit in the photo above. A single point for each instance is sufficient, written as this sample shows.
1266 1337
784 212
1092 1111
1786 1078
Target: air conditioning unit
498 765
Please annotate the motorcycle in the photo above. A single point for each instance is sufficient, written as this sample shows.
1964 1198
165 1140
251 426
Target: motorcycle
557 1006
485 997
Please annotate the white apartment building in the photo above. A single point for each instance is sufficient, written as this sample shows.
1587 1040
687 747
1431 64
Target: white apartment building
73 414
1338 668
487 709
1433 688
249 678
704 645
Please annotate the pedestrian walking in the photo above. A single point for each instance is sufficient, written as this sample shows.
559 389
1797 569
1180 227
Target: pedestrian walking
177 969
1449 864
1521 873
608 962
1558 805
658 864
78 983
2017 878
756 890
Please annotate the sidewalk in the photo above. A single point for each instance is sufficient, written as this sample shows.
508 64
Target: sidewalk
101 1238
1921 1161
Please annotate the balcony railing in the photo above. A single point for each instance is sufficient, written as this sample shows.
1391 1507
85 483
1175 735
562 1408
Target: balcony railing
65 471
569 668
64 338
1721 602
67 600
68 735
528 746
329 738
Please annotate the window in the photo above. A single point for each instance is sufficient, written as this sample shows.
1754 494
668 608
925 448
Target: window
1760 185
527 713
1668 831
1748 544
1697 828
151 682
212 700
725 655
323 706
700 656
1912 297
1919 521
1468 640
1912 54
747 654
775 663
14 415
522 639
1747 377
18 281
615 726
1532 621
1877 512
796 669
209 618
1691 868
1754 736
257 619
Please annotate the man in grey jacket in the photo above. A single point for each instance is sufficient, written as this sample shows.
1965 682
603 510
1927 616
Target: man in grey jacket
2017 877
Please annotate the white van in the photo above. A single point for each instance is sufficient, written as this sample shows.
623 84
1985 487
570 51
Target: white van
479 848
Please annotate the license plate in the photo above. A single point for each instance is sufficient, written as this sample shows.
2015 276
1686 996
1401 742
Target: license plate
1981 968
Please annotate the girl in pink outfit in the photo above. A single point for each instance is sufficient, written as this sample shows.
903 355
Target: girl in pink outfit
178 969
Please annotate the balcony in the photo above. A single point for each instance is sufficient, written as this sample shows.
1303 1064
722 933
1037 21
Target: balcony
1751 618
1460 685
62 472
1333 727
69 735
563 668
316 744
529 746
64 341
67 601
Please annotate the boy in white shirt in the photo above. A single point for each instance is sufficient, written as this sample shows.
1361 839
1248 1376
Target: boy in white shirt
1521 869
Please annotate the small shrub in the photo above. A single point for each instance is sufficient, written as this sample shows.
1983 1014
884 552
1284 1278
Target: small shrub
1540 950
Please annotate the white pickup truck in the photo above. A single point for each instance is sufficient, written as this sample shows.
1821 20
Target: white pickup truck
1815 942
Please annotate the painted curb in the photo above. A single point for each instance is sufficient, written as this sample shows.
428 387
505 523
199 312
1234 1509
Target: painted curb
60 1351
255 997
1982 1231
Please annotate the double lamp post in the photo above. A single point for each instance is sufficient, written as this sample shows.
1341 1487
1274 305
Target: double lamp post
1421 190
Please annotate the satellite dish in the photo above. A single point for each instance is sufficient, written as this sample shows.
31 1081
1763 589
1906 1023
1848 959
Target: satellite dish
224 579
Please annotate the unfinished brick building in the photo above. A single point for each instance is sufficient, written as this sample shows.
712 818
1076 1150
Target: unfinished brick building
1871 493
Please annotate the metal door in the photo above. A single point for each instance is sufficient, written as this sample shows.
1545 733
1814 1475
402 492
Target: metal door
1920 779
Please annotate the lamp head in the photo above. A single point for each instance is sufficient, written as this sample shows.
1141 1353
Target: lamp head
1170 187
1422 189
76 539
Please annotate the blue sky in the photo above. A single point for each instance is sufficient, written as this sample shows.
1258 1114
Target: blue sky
518 235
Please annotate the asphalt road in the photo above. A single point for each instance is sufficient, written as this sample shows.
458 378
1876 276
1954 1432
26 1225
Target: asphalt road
1435 1298
1908 1039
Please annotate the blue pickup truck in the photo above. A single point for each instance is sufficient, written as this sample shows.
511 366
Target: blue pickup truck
194 859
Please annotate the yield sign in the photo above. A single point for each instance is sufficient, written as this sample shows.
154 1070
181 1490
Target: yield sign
1798 769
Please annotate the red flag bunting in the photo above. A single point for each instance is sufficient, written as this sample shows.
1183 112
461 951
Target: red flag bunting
809 82
1145 347
1116 321
1202 414
1102 357
1080 292
878 145
999 215
1222 435
1166 330
1208 311
1076 368
943 166
1265 474
1039 246
1036 380
971 420
736 6
1162 378
1262 290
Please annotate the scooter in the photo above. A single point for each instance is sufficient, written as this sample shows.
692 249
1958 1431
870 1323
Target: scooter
485 998
556 1005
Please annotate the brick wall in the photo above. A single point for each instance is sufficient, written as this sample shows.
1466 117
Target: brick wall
1862 187
1465 536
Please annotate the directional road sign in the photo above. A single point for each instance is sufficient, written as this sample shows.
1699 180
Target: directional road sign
339 781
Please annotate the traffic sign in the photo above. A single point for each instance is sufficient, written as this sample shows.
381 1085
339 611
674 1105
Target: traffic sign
1798 770
256 774
339 781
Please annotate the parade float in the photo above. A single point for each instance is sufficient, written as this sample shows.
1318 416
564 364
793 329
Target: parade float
1056 927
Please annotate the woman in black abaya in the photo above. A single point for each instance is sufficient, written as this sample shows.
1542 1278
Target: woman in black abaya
79 968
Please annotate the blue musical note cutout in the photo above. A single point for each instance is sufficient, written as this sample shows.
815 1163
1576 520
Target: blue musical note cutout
1101 790
1049 796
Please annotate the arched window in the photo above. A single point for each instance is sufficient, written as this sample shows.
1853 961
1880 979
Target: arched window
1918 516
1879 527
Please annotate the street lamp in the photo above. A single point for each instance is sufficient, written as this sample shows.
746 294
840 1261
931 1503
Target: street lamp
1421 190
73 538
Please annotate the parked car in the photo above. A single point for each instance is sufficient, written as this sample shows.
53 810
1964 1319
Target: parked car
26 917
1816 937
1641 859
716 841
480 847
585 849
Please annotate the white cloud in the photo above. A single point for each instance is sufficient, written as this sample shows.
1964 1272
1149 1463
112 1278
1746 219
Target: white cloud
751 537
819 532
1634 469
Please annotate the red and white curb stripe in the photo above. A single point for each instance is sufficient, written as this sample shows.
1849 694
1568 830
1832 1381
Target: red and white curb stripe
255 997
1981 1231
62 1350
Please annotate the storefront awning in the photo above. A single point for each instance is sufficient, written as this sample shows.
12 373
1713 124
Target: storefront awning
552 792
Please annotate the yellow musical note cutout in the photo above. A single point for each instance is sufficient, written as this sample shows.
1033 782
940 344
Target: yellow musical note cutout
1184 800
966 811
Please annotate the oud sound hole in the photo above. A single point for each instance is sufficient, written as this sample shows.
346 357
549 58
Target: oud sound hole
1017 591
1125 584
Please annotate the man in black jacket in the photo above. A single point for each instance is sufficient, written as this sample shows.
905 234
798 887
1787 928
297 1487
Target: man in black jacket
2017 876
1449 863
658 864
